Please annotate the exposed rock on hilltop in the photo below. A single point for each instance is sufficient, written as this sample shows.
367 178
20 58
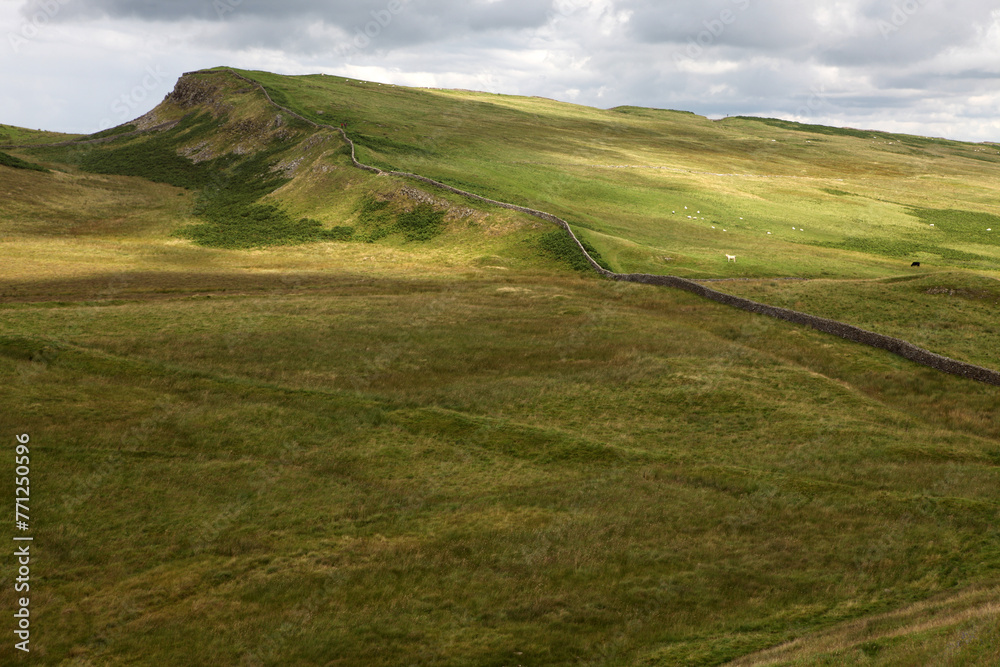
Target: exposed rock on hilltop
192 92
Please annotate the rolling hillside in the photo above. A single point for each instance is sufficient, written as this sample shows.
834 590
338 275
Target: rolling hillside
287 411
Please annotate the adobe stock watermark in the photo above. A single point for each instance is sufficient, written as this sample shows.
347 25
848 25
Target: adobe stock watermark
818 98
366 34
901 15
566 8
223 7
714 29
35 23
124 107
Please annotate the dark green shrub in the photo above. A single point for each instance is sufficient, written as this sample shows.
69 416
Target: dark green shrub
559 246
340 233
18 163
421 224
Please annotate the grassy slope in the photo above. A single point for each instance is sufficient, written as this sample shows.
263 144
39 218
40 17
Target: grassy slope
455 452
869 203
953 313
14 135
547 154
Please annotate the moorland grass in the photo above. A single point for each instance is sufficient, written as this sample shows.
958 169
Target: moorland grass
450 448
569 470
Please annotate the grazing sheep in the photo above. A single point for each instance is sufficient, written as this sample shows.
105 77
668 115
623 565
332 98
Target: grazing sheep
915 264
730 258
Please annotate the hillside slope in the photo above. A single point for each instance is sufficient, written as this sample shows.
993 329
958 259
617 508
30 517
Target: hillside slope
637 170
427 439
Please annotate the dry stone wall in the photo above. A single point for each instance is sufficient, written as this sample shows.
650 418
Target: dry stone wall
847 331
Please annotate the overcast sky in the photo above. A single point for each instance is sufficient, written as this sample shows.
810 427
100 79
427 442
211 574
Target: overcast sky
928 67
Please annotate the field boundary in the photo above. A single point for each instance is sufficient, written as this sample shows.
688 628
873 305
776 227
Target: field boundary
849 332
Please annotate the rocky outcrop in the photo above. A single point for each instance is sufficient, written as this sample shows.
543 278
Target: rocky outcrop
192 92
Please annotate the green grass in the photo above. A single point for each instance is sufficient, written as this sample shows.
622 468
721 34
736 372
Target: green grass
845 131
14 135
364 422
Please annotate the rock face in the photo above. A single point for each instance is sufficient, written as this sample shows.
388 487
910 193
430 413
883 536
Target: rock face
191 92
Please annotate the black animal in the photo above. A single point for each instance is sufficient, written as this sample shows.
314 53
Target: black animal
915 264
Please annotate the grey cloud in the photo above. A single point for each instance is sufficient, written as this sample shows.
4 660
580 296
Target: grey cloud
775 26
766 57
291 25
447 16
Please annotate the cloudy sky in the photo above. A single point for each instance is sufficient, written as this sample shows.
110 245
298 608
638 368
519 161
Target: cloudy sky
927 67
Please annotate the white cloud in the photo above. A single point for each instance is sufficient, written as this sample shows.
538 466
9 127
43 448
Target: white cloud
826 61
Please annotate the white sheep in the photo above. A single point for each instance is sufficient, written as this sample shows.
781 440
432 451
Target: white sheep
730 258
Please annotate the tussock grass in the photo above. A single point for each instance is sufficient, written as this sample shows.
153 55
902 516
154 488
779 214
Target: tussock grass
526 468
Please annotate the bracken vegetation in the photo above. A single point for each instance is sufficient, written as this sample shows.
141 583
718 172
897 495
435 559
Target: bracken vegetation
559 246
18 163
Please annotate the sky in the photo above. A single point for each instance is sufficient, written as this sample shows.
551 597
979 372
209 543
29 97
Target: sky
928 67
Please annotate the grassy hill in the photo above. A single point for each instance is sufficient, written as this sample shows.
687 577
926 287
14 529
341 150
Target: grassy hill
285 411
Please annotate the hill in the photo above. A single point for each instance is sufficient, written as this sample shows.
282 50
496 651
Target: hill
286 411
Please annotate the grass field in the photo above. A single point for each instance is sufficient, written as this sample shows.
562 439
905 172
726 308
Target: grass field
14 135
418 434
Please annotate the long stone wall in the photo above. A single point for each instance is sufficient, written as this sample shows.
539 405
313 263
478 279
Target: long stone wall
847 331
